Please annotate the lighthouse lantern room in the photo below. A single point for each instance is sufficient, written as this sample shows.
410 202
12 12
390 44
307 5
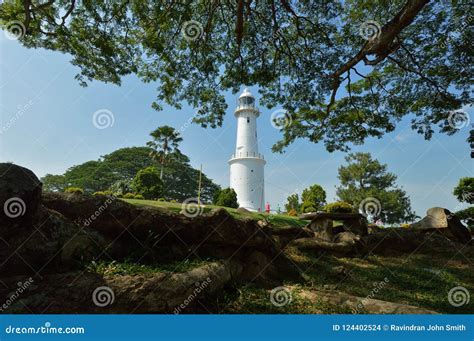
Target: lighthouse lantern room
247 164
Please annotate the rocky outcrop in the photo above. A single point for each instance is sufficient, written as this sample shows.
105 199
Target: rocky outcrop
141 293
20 197
438 218
435 219
34 239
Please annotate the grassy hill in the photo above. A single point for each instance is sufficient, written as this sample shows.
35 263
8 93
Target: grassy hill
277 220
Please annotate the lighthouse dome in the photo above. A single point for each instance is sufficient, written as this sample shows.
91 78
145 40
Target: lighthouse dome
246 93
246 99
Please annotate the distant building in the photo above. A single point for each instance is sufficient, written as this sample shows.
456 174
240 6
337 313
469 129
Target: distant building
247 164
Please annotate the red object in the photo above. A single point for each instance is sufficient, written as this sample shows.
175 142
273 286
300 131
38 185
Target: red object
267 207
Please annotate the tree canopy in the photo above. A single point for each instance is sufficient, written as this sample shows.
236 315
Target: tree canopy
313 198
366 185
343 70
116 170
227 198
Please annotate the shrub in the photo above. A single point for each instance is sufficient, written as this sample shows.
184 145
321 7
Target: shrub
307 207
147 182
173 201
75 190
161 199
227 198
139 196
129 196
106 193
338 207
292 212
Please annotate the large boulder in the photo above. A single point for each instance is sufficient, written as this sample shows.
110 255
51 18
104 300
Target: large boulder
20 196
34 239
443 220
435 219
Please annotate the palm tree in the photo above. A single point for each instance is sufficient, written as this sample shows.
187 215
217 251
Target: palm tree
165 141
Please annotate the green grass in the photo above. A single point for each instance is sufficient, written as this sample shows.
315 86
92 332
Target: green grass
277 220
132 268
422 280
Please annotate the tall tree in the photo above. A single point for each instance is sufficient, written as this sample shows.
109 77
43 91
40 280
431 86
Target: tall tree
165 141
314 198
344 70
293 203
366 184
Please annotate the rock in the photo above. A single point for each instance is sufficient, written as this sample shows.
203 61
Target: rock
361 305
340 248
34 239
435 219
399 241
139 293
20 196
438 218
284 235
243 210
459 231
322 228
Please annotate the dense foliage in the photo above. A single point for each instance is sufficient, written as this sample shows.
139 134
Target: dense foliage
147 183
338 207
366 185
227 198
464 191
314 198
116 170
344 70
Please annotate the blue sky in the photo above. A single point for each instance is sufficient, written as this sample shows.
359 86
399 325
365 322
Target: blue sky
46 125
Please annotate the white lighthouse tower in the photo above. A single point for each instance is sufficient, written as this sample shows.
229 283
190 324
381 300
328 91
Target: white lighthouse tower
246 165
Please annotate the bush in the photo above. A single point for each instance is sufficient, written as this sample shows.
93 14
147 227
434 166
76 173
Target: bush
338 207
105 193
227 198
129 196
292 213
139 196
173 201
161 199
147 182
75 190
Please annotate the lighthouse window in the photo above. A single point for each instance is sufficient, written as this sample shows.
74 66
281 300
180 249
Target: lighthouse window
251 170
248 120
